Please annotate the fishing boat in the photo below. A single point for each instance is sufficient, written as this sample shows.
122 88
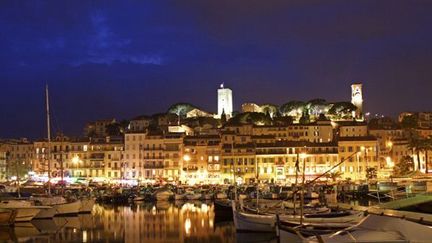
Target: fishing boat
223 205
372 228
254 222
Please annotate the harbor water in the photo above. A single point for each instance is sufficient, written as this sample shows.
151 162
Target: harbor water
140 222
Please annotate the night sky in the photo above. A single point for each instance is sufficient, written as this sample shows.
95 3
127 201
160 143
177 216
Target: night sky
121 59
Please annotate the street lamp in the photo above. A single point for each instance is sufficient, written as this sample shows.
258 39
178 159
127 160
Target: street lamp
75 161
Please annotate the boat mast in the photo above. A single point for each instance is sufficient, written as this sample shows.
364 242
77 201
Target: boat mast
234 172
61 163
257 179
49 138
302 192
295 183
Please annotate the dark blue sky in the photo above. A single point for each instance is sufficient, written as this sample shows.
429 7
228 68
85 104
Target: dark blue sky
126 58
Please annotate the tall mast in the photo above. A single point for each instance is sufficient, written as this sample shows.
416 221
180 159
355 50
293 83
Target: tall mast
61 163
49 138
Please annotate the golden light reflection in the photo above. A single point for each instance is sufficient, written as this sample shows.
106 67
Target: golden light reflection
84 236
188 226
147 222
204 208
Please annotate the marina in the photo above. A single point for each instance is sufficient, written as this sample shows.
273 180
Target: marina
211 214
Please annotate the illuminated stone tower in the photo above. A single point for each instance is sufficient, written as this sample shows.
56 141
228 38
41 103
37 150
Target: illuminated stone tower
357 99
225 101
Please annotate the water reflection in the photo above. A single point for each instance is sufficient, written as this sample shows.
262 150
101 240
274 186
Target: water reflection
146 222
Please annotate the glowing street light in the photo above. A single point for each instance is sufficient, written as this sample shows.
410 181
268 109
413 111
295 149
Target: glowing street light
75 159
186 157
389 144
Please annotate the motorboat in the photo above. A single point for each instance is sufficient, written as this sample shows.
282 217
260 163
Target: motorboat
372 228
62 206
25 211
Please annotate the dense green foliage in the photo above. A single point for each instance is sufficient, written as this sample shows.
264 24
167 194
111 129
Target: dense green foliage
181 109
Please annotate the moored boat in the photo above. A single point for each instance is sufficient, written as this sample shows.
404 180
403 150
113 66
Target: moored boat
25 211
163 194
255 222
62 206
372 228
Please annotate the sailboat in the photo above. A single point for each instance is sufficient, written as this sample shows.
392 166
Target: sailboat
61 205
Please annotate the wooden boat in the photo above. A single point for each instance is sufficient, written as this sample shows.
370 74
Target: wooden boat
223 205
244 221
372 228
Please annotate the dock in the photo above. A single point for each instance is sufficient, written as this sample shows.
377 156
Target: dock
389 209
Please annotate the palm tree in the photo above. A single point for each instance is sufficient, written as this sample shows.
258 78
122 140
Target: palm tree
415 144
334 175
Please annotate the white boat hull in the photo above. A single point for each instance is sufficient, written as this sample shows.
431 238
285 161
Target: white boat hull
254 223
68 208
26 214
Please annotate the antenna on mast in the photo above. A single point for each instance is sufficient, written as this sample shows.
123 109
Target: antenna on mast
48 137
